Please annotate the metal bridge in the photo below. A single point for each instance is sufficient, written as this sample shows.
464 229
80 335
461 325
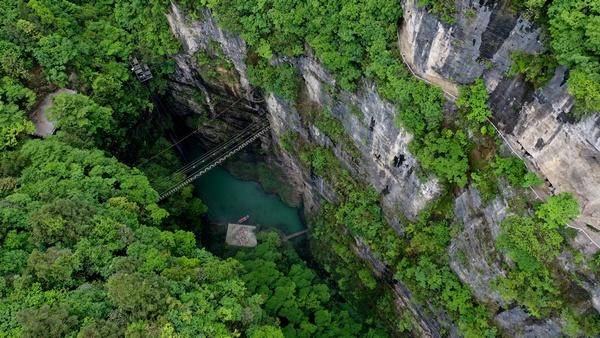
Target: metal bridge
202 164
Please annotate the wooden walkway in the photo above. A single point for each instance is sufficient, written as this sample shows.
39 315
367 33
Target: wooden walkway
296 234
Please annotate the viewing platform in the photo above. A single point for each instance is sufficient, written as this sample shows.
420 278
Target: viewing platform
241 235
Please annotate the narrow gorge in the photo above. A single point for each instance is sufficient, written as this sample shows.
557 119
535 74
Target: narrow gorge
533 123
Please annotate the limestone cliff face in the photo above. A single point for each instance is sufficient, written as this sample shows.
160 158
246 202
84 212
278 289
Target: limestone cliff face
374 132
385 162
478 44
196 36
474 257
534 124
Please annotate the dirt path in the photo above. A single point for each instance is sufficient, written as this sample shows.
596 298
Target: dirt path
44 127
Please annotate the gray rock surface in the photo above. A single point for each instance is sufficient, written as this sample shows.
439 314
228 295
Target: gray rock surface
473 255
197 34
480 44
517 323
567 155
379 141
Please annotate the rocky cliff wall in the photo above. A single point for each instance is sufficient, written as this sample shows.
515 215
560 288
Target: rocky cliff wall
373 132
535 122
446 55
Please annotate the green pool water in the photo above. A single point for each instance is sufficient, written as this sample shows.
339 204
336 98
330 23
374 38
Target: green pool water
229 198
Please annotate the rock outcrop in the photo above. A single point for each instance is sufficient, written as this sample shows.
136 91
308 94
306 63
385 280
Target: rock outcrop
473 255
535 122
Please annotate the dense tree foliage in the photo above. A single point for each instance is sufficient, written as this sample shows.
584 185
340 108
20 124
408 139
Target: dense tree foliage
84 46
15 101
84 254
77 116
87 251
473 104
294 294
446 155
532 243
574 40
536 68
341 33
282 79
515 171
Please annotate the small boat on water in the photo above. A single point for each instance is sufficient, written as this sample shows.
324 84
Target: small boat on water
243 219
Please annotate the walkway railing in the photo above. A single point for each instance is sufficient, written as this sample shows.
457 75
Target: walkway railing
296 234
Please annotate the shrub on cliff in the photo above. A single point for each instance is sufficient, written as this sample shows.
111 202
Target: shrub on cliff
445 154
473 105
533 243
575 40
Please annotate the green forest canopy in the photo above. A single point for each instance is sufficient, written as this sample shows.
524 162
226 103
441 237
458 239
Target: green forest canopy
82 253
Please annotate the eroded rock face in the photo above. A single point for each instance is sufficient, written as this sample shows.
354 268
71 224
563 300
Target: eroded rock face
473 255
385 163
567 154
476 261
480 44
197 35
534 123
517 323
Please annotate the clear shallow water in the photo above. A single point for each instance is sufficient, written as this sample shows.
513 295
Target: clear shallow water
229 198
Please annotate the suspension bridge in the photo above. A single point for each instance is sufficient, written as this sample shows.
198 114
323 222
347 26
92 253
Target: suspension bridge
214 157
207 161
